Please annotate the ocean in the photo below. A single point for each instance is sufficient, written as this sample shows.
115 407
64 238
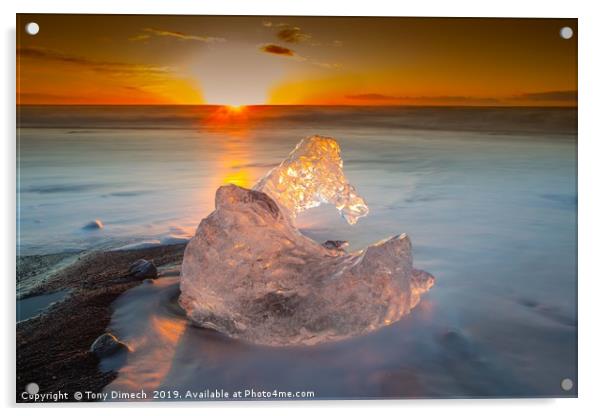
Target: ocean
488 197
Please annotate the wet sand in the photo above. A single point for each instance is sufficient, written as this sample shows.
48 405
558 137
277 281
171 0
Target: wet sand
53 348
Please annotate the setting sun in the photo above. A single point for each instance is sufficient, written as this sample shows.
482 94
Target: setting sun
235 108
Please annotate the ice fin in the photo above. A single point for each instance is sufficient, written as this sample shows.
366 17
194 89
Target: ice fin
313 174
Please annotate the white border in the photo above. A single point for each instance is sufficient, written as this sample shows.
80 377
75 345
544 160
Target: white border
590 200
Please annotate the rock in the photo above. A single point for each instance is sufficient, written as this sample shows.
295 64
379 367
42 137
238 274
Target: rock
106 345
335 244
143 269
148 281
250 274
172 239
94 225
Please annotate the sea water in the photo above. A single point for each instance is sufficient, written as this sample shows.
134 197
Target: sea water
487 196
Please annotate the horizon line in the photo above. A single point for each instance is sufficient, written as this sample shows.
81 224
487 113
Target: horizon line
294 105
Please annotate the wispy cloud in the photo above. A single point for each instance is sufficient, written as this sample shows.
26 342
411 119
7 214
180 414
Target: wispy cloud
568 95
121 68
443 99
373 96
327 65
292 34
288 33
40 96
140 37
149 32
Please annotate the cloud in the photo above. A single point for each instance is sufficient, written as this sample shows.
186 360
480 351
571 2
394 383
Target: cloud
284 51
267 23
40 96
569 95
432 99
288 33
177 35
277 50
139 37
120 68
291 34
327 65
373 96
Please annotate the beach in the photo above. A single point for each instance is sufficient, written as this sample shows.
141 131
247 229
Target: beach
53 347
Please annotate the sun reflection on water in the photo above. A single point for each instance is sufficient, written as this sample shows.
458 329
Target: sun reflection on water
228 118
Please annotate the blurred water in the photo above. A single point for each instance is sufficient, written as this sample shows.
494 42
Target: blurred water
488 197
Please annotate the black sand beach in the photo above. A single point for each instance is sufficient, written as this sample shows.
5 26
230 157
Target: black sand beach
53 348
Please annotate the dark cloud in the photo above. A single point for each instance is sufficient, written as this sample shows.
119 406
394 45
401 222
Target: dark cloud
122 68
373 96
40 96
547 96
292 34
435 99
177 35
569 95
277 50
284 51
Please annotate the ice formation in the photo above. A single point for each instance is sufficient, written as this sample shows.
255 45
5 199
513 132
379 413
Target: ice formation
311 175
250 274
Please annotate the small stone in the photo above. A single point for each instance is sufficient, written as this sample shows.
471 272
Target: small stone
143 269
107 344
335 244
94 225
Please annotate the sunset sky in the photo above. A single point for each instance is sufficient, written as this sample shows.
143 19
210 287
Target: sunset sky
113 59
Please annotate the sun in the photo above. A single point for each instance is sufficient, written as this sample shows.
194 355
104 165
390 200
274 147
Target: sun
235 108
228 115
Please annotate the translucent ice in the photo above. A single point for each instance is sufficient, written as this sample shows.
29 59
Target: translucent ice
250 274
311 175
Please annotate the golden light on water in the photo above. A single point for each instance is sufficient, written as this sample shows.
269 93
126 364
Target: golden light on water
235 108
228 117
239 177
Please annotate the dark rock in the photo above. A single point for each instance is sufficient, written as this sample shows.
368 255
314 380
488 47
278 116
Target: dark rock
335 244
107 344
94 225
143 269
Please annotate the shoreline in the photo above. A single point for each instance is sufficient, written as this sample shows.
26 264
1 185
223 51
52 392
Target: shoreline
53 347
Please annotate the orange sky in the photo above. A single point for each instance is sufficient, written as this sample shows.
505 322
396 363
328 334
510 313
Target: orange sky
235 60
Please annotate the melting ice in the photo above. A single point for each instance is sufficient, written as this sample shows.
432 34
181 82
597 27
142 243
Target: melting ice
249 273
311 175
